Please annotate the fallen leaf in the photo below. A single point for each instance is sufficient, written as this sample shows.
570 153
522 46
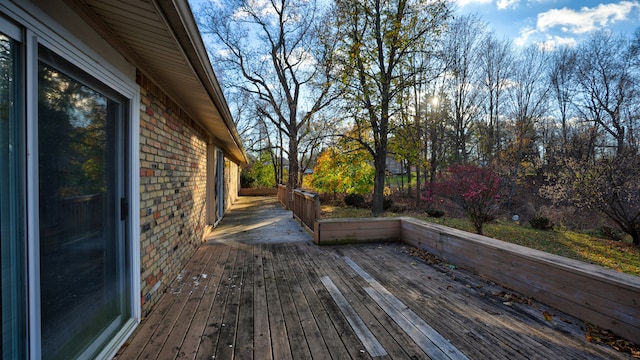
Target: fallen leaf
547 316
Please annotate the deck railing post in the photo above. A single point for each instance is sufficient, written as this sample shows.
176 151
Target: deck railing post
306 207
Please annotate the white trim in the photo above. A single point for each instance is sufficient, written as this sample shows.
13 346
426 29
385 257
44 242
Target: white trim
32 221
134 202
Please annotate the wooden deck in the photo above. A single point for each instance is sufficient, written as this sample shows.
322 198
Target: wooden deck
253 297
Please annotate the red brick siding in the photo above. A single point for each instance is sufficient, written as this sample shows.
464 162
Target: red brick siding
173 164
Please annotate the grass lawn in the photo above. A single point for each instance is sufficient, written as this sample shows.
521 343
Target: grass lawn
617 255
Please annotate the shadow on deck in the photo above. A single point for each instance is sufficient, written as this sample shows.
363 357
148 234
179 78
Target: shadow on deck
260 289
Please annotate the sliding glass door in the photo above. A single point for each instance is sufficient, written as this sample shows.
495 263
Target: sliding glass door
83 272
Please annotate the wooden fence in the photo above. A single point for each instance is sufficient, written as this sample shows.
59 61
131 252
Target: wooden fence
598 295
304 204
284 196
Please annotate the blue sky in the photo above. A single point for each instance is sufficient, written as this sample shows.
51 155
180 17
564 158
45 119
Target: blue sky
553 22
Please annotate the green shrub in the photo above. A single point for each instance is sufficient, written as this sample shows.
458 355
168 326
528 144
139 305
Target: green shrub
436 213
387 203
609 232
541 223
355 200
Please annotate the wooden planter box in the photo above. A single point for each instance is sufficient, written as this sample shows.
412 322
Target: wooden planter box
348 231
598 295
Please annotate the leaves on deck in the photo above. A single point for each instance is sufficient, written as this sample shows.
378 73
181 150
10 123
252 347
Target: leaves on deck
517 298
425 255
596 334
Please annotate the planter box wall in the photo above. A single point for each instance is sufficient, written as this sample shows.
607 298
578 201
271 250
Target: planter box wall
345 231
601 296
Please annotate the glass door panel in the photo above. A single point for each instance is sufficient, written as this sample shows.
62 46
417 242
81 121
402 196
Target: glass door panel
12 291
82 250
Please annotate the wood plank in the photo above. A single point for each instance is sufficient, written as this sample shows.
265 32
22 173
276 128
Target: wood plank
209 341
429 340
297 341
149 341
197 327
244 344
341 341
389 334
261 332
196 288
495 314
277 326
312 334
371 344
227 333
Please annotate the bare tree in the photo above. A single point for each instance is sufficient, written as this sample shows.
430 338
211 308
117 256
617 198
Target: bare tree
527 97
462 43
379 37
563 84
496 65
281 54
606 86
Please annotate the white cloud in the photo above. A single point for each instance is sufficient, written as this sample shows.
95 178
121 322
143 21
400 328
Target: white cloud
507 4
554 42
586 19
525 34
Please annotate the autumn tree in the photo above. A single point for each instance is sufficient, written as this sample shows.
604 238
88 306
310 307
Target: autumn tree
609 184
378 38
280 53
475 189
260 172
527 101
339 171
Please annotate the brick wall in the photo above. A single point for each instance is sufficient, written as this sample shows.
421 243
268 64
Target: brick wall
173 178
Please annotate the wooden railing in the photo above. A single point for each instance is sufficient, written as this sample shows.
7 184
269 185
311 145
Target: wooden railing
306 207
304 204
284 196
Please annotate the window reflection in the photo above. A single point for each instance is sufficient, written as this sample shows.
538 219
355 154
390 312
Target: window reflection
11 235
81 280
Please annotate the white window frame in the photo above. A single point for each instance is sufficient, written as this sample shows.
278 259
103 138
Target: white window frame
40 29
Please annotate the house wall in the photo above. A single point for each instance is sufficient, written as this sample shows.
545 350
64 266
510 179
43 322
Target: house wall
173 180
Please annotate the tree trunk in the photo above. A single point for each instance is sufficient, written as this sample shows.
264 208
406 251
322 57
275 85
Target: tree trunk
377 203
293 161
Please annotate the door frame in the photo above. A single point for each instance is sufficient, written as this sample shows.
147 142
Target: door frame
40 29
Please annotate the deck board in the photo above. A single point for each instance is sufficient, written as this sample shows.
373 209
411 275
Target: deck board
264 299
193 335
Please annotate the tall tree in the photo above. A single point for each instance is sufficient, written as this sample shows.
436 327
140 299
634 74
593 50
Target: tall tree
527 102
495 63
562 78
462 50
378 39
606 85
280 53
